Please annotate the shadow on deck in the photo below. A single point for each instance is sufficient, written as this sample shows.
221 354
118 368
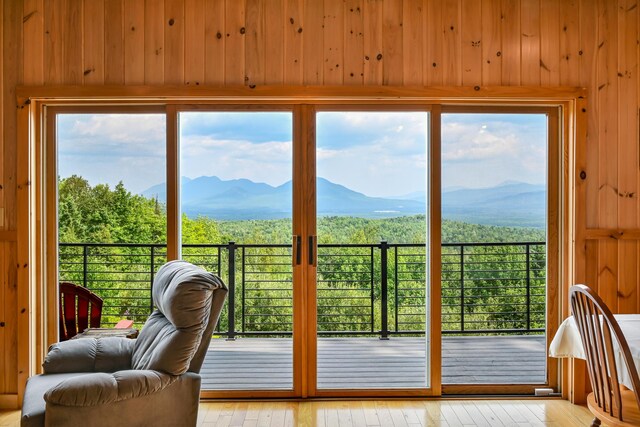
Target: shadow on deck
400 362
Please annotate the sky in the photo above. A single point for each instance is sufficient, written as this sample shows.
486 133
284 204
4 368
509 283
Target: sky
377 153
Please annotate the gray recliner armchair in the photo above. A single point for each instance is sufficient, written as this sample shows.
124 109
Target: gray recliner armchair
151 381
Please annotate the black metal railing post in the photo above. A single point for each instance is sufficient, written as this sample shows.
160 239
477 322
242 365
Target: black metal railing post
152 272
395 287
372 296
528 268
384 330
462 288
231 334
85 249
244 295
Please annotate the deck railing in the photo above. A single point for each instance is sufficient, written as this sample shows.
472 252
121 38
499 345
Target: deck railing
362 289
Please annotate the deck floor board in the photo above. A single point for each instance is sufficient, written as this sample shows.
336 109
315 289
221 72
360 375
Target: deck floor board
400 362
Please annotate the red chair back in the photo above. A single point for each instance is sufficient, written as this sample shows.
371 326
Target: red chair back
79 309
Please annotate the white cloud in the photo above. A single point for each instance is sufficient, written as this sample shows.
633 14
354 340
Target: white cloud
488 151
379 154
268 162
108 148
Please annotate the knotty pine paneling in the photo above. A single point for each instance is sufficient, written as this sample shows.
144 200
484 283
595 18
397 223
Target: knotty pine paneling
588 43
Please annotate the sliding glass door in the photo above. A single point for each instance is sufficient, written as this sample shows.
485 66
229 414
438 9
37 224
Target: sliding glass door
379 250
236 206
111 233
499 179
371 252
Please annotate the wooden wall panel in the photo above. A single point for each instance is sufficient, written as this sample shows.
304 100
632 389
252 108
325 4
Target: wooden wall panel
154 42
491 43
234 70
452 43
353 71
174 41
7 378
530 43
113 41
12 14
33 39
93 45
214 42
391 55
283 40
412 52
433 44
134 42
471 29
255 42
194 42
72 43
588 43
372 42
313 43
333 31
52 42
510 36
569 43
550 43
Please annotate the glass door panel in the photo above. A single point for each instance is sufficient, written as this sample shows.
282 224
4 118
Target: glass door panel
236 176
111 228
371 284
494 232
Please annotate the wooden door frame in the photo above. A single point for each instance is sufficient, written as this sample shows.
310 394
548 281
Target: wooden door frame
554 162
32 317
297 227
434 248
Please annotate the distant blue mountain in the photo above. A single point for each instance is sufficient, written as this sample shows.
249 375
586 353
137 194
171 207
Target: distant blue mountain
510 203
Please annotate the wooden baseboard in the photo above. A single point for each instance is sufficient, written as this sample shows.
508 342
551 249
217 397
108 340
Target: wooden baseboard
9 401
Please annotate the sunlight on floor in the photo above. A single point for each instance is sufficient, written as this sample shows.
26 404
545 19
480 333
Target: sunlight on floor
389 413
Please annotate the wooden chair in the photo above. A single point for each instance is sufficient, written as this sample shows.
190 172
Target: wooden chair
609 402
79 309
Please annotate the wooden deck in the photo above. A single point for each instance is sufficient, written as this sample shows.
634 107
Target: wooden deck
265 363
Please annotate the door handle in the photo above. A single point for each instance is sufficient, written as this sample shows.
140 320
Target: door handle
313 257
297 250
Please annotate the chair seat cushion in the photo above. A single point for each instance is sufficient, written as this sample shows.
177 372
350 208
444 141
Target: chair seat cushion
33 406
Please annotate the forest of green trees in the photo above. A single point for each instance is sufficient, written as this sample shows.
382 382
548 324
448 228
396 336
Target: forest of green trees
494 279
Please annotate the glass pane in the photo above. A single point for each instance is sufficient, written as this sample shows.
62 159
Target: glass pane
236 222
111 228
372 287
494 194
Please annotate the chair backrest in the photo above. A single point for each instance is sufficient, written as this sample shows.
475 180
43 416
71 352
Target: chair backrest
79 309
177 333
597 326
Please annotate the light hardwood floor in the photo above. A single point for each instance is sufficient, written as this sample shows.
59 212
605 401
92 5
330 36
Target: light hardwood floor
384 413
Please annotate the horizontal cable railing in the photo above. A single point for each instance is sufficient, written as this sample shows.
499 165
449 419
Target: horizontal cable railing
362 289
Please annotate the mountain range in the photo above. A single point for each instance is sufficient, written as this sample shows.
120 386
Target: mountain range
507 204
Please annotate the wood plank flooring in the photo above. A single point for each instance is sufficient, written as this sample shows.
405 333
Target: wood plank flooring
380 413
400 362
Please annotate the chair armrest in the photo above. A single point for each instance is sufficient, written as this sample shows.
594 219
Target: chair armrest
89 355
102 388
